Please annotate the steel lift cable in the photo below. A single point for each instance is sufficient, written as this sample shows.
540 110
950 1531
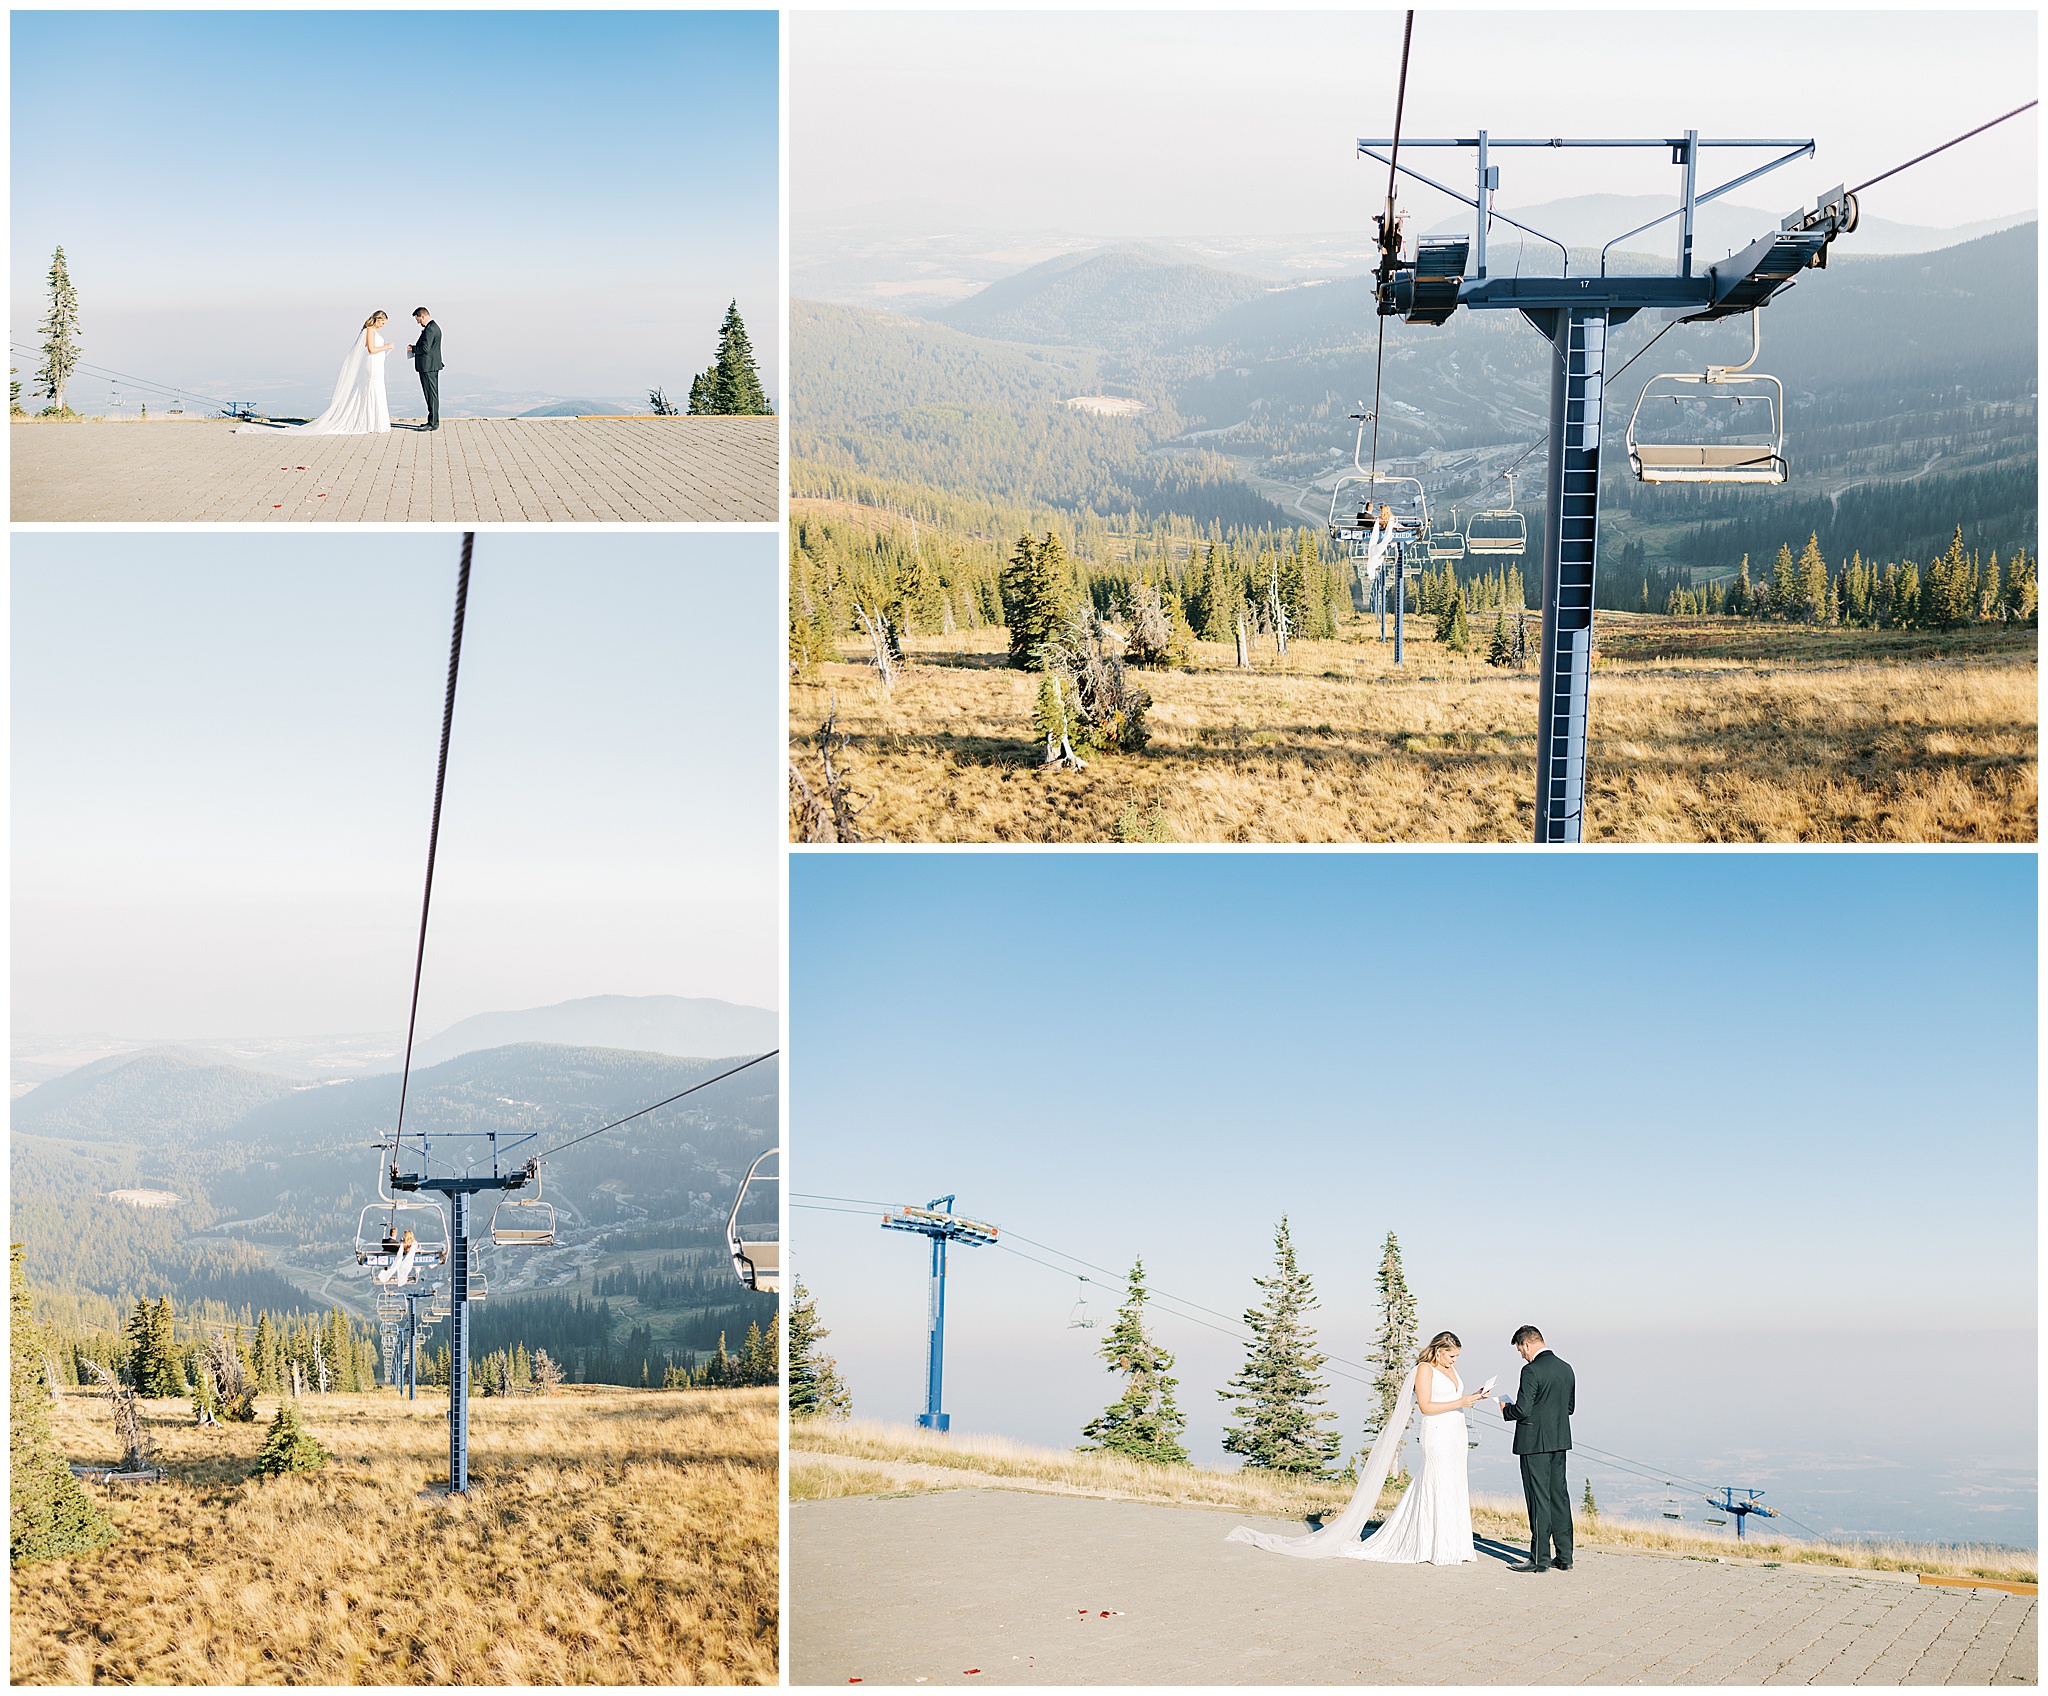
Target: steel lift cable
642 1113
434 830
1387 234
1944 147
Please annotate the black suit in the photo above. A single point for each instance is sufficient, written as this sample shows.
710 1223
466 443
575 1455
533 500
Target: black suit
1542 1416
426 360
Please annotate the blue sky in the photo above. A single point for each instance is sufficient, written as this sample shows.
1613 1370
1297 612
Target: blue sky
223 763
1241 122
577 195
1681 1110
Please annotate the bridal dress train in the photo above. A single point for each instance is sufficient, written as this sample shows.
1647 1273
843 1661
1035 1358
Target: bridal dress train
359 407
1431 1525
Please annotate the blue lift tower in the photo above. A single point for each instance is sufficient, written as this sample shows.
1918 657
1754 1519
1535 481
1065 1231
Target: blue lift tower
939 1222
1429 284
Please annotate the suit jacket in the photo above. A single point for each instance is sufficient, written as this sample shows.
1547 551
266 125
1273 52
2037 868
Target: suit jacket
427 349
1543 1406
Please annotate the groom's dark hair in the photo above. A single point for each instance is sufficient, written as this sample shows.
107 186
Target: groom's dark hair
421 312
1525 1334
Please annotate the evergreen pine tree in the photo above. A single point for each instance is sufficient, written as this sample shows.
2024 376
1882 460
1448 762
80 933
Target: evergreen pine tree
815 1390
731 387
1501 649
1278 1390
288 1446
60 335
1739 598
1221 596
1810 579
49 1514
266 1354
1143 1423
1587 1506
1459 636
1036 596
1394 1349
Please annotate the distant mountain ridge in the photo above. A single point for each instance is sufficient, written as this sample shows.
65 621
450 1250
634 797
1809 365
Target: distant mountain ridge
685 1026
1119 298
160 1093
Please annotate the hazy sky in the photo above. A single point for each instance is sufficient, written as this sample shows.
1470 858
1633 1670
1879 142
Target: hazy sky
1237 123
1721 1123
224 752
576 195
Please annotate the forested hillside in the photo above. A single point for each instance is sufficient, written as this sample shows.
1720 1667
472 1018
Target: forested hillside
270 1178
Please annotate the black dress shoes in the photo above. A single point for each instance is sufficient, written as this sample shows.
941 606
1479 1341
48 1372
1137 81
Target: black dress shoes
1525 1566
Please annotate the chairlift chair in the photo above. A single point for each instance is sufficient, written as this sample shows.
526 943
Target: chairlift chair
1748 446
1358 495
521 1222
1499 532
756 1262
1077 1318
370 1250
1447 547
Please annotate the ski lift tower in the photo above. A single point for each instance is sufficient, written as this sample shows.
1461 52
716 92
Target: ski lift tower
409 1378
1574 314
458 1187
1741 1508
939 1222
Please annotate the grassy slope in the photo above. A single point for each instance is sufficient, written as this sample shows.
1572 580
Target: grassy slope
1702 730
879 1450
609 1537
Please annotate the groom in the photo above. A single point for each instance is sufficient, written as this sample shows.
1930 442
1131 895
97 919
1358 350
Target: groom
426 360
1541 1414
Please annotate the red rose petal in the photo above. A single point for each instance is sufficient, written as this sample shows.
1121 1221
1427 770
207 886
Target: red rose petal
970 1672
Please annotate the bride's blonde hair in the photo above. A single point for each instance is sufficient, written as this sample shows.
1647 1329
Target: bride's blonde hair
376 318
1434 1354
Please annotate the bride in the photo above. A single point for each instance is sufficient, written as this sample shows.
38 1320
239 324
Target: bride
359 407
1433 1521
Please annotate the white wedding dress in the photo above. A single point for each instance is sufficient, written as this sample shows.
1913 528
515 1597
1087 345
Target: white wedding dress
359 407
1432 1523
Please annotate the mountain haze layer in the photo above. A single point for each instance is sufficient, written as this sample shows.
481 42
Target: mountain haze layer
651 1024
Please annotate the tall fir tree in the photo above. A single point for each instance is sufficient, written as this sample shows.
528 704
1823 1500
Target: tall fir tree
266 1362
1143 1422
731 386
1037 594
1394 1348
49 1514
60 334
815 1389
1278 1392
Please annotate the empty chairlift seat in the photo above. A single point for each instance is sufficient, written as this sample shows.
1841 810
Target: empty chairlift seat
524 1222
1725 424
756 1257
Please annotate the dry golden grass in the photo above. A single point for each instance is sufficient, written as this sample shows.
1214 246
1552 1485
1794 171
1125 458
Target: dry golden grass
1702 731
999 1462
609 1537
815 1481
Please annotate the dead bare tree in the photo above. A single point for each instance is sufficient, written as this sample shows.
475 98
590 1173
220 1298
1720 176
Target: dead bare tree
53 1378
882 638
138 1453
234 1391
1059 746
1276 611
1244 643
547 1373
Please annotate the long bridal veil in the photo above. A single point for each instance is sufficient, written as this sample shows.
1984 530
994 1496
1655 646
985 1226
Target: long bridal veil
1342 1538
347 413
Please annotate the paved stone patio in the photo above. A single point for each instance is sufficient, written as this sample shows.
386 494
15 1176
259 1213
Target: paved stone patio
665 470
995 1586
